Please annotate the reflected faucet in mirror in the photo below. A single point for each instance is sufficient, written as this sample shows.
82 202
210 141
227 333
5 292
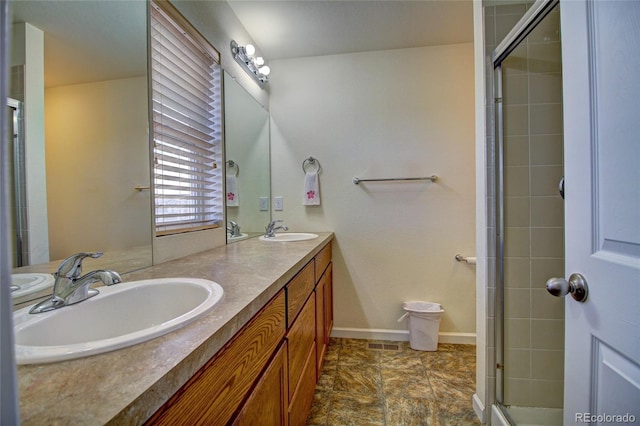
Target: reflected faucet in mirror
233 229
70 287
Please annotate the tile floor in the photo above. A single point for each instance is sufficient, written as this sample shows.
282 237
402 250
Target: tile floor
361 386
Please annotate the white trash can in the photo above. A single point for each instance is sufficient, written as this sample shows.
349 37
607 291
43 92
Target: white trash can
424 324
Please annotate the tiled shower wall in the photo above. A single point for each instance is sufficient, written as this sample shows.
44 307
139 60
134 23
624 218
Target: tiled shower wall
533 210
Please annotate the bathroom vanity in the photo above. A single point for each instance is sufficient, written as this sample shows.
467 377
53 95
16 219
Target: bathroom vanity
256 355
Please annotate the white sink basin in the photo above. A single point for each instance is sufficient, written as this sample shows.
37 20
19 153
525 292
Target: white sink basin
121 315
290 236
30 283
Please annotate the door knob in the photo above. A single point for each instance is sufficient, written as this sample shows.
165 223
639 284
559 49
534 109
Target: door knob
576 286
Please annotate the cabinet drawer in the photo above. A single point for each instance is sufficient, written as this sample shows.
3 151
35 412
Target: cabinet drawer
298 290
322 260
216 391
301 337
300 404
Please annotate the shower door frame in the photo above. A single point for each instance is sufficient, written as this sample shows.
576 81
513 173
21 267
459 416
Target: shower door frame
536 13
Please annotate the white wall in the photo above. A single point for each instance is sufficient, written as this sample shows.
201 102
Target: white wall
395 113
219 24
107 144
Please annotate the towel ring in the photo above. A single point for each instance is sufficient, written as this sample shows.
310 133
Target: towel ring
311 161
233 164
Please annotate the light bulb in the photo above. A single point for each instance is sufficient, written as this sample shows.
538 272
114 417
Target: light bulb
250 49
265 70
259 61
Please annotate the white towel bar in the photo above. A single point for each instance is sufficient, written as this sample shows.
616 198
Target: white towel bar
469 260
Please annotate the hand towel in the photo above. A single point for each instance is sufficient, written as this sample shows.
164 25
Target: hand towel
311 189
233 200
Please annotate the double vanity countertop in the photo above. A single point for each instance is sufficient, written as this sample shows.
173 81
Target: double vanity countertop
126 386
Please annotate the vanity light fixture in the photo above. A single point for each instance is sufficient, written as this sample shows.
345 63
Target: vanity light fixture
255 67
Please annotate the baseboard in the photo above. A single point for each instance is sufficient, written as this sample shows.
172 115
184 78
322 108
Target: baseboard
478 407
370 333
399 335
457 338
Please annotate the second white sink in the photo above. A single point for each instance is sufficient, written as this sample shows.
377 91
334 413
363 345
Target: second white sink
121 315
290 236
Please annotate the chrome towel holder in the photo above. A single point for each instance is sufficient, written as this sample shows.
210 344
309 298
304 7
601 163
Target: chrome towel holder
311 161
431 178
233 164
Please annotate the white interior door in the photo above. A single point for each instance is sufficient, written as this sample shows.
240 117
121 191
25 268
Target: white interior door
601 68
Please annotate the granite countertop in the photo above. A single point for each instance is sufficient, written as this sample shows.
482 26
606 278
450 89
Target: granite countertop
125 387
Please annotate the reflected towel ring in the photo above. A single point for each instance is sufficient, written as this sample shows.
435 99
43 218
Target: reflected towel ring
232 164
311 161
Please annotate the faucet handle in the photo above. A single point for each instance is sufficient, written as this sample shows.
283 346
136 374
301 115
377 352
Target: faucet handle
71 267
273 223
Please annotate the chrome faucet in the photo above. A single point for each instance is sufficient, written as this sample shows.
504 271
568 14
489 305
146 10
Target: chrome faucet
70 287
233 229
272 228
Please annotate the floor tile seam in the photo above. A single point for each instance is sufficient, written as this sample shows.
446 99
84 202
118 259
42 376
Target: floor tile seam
351 392
414 398
428 383
453 373
352 364
330 394
461 400
329 407
453 380
402 396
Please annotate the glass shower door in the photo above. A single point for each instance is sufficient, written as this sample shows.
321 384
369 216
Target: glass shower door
530 223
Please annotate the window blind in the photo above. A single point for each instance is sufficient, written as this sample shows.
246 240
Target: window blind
187 127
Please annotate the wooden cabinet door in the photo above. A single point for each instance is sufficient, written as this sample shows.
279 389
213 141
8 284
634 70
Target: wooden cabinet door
268 403
301 337
217 390
328 302
300 404
321 338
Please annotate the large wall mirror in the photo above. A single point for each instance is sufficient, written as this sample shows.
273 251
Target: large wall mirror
247 162
79 76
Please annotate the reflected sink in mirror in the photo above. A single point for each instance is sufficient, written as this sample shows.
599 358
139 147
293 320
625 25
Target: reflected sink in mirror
121 315
28 284
290 236
242 236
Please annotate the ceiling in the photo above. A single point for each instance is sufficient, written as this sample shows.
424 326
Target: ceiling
88 41
285 29
92 40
